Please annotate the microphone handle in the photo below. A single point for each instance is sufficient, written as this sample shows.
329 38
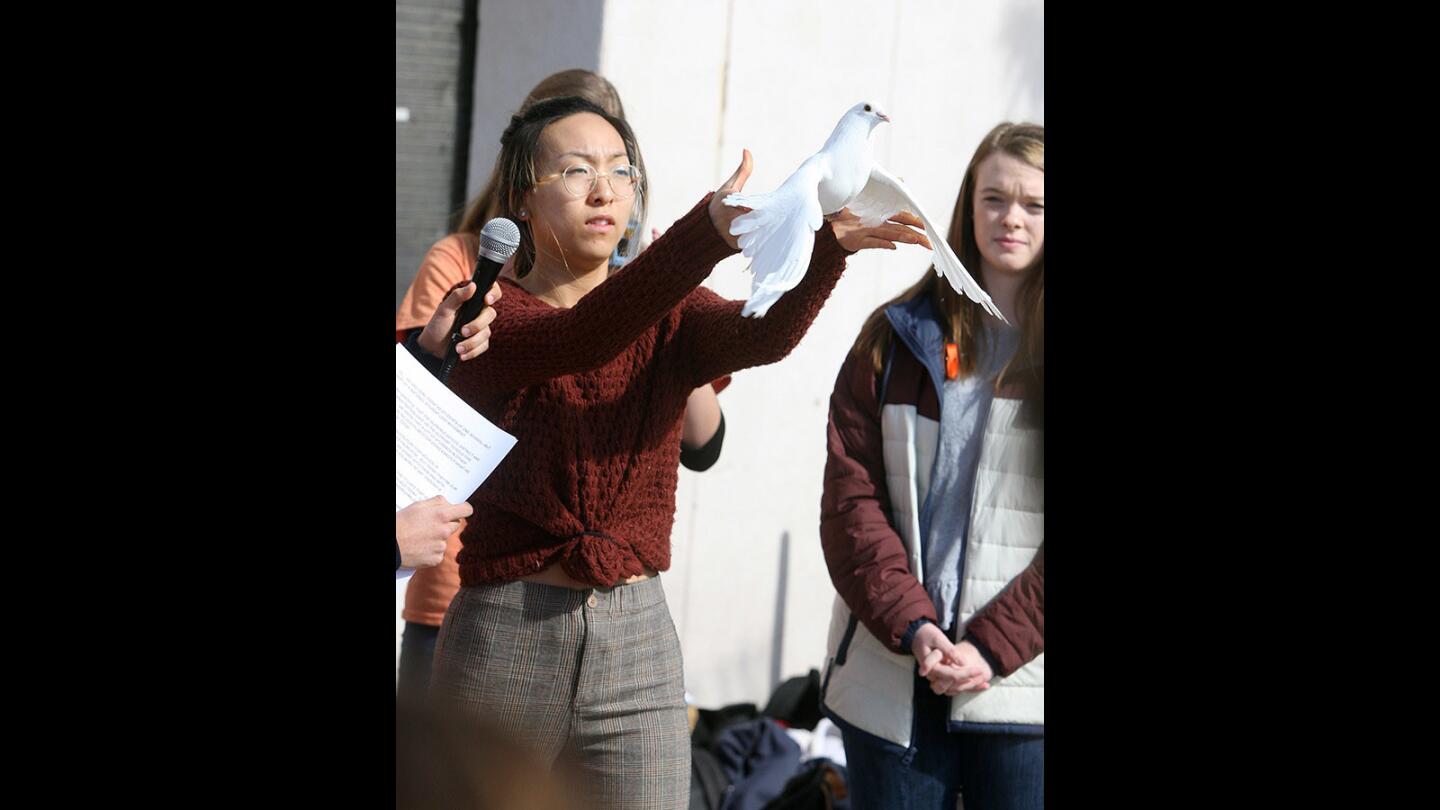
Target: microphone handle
486 271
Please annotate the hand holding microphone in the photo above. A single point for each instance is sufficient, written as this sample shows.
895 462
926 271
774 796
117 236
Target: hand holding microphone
435 338
498 242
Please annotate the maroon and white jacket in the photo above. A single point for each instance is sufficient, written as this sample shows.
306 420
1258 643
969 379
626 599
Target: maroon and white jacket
881 456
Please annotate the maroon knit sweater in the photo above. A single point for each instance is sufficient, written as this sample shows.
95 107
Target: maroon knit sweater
595 396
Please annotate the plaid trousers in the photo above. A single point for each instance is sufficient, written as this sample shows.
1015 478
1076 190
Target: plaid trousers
593 678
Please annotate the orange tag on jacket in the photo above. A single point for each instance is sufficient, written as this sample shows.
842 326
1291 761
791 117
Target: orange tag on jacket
952 361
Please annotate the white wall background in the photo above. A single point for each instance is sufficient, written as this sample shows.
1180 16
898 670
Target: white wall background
748 587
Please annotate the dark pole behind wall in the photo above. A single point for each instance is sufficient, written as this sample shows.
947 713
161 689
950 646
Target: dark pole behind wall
465 92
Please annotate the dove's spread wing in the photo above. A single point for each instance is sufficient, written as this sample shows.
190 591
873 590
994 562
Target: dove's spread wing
884 197
778 234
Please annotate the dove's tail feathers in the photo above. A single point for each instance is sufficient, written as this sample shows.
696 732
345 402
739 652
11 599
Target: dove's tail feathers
765 294
777 234
775 284
755 227
781 259
756 217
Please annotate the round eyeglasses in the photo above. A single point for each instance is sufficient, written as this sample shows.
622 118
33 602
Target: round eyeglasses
579 180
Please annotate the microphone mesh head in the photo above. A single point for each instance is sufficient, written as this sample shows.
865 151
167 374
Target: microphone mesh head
499 239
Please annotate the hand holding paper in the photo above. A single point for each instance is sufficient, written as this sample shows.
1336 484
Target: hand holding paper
442 446
422 528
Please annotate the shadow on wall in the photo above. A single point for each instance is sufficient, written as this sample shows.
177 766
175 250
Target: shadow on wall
777 643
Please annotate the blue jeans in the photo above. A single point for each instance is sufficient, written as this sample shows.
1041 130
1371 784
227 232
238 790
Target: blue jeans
417 654
992 771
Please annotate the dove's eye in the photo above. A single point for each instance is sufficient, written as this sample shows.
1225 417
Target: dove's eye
867 108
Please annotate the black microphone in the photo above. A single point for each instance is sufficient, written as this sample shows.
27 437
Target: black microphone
498 241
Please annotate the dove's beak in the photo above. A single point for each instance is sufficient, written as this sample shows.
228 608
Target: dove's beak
883 117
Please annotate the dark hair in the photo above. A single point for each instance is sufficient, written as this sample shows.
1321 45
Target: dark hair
574 82
519 149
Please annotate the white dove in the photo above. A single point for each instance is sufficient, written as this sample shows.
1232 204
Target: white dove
778 233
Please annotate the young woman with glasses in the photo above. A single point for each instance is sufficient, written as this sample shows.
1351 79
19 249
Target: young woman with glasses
560 632
427 312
